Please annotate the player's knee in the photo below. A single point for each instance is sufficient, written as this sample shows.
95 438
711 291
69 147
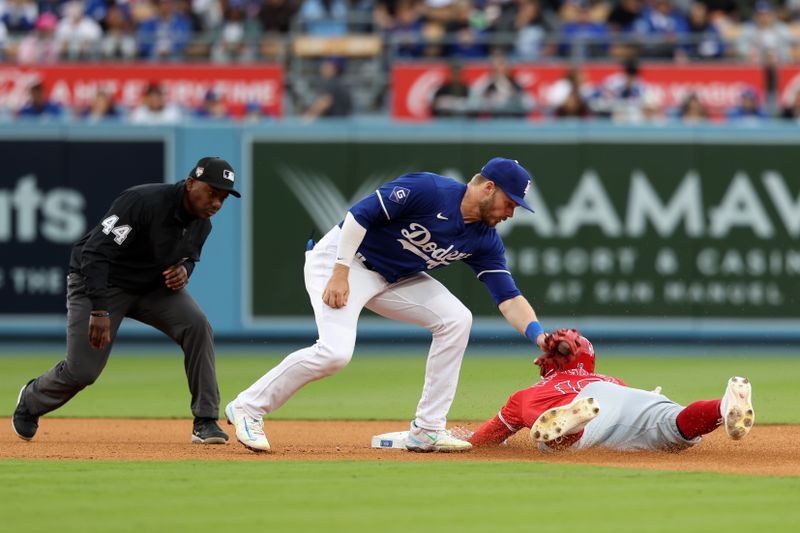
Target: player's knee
459 319
82 376
197 327
334 357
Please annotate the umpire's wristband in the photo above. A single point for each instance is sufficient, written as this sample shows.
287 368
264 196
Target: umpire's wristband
100 314
533 331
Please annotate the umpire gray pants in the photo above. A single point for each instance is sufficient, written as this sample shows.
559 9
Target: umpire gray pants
173 312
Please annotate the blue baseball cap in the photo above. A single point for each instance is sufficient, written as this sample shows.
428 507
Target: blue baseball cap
511 177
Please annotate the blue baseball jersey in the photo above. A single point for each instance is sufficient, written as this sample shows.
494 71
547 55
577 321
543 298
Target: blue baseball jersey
414 224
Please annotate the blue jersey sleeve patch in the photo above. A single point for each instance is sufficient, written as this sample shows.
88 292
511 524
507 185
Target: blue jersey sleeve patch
399 195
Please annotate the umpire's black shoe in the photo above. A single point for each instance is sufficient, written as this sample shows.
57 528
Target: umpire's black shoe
23 422
207 431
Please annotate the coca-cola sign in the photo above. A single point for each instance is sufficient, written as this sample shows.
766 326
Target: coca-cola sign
718 86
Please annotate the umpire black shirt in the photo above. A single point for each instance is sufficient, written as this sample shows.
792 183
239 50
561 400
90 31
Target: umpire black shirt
145 231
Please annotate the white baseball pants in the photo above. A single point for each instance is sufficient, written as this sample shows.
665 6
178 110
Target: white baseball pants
418 299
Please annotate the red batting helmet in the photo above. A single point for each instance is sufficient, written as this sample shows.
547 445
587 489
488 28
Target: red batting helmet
581 354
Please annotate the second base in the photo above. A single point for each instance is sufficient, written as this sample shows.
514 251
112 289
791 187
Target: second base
396 439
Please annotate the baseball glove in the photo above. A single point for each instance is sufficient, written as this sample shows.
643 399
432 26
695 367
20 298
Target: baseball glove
561 350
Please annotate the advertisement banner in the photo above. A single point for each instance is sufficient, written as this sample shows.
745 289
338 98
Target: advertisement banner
51 193
621 231
667 86
185 84
788 85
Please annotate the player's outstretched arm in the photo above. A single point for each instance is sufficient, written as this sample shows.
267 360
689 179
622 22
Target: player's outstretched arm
519 313
492 433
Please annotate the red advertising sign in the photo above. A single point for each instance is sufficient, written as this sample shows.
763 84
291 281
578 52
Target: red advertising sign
718 86
76 85
788 85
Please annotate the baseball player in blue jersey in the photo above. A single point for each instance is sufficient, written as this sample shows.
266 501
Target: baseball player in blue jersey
378 258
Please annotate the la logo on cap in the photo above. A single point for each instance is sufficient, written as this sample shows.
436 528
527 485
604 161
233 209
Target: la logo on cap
198 171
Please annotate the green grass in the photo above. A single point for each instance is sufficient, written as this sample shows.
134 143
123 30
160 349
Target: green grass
386 497
388 386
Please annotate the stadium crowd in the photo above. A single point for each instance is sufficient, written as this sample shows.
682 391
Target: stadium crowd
498 31
225 30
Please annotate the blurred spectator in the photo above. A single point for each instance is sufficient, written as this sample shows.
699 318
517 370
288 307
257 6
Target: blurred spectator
623 15
207 12
705 39
692 110
276 15
254 112
465 34
323 17
164 35
619 94
383 13
519 26
530 30
119 41
582 37
236 38
665 30
405 33
765 39
334 99
154 109
434 35
38 105
498 94
452 98
573 80
96 9
196 21
749 108
77 36
212 107
792 110
621 26
19 16
573 106
102 108
40 45
720 11
48 6
649 112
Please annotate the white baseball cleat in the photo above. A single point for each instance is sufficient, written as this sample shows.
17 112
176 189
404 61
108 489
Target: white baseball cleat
431 440
736 408
249 430
565 420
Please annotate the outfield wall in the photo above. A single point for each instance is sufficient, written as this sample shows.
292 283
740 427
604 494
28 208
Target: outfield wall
663 232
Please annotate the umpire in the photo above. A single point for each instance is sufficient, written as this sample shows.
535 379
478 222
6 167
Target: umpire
135 263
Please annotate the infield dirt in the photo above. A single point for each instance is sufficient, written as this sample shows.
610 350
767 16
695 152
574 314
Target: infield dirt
768 450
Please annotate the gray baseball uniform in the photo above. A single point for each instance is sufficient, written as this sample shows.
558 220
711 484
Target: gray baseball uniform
632 419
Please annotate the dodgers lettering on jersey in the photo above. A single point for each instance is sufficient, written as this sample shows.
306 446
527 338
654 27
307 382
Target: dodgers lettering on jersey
414 224
557 389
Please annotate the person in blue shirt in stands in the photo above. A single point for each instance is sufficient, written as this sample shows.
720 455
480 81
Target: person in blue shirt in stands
165 35
39 106
379 257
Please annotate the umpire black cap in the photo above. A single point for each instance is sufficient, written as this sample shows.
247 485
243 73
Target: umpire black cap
216 172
